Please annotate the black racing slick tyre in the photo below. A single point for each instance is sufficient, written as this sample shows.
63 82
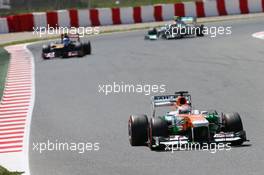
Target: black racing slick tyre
45 49
154 31
233 123
79 48
157 128
199 31
138 130
87 48
81 51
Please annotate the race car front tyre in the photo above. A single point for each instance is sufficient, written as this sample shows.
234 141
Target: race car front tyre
157 128
138 130
154 31
45 49
233 123
166 36
44 56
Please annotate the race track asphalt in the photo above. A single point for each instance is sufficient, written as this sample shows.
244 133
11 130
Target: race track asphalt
223 73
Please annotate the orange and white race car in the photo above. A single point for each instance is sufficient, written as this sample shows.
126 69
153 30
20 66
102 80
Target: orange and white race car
184 125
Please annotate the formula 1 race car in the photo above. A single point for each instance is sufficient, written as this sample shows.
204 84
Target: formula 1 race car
184 125
182 27
69 46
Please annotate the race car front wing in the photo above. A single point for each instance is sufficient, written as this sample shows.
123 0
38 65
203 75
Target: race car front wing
222 137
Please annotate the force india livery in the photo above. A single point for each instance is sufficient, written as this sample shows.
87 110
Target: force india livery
184 125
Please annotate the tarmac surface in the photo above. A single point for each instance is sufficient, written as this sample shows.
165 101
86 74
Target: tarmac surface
223 73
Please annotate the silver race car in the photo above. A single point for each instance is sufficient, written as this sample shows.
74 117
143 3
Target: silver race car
182 27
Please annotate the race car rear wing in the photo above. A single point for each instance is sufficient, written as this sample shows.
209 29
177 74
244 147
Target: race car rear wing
165 100
189 19
186 19
169 100
71 36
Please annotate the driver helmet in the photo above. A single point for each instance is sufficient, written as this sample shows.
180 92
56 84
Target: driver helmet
181 101
66 39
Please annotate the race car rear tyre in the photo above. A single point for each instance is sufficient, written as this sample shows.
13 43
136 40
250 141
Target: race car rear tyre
81 52
233 123
157 128
199 31
138 130
87 48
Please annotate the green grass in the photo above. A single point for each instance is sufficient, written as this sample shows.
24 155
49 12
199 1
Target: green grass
4 171
81 4
4 61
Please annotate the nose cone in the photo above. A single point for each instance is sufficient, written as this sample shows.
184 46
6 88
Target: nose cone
199 123
198 120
